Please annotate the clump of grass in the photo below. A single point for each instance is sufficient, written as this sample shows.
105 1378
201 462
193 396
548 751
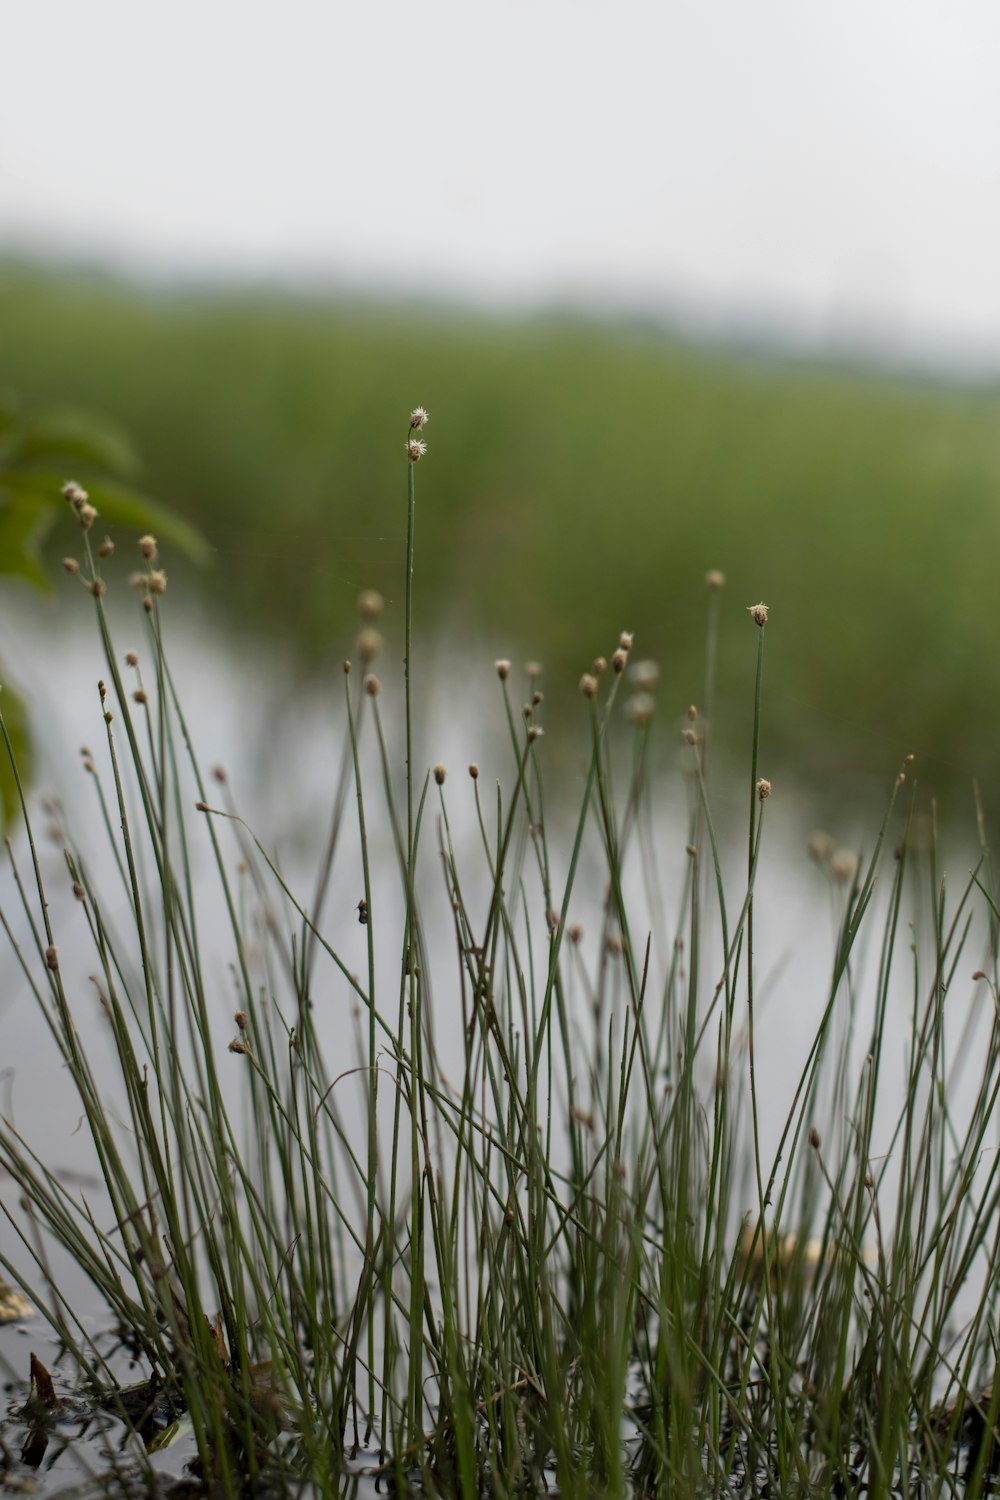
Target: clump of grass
554 1247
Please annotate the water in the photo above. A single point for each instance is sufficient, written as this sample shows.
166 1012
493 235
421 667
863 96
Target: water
282 748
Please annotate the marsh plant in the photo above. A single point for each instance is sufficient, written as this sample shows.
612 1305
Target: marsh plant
493 1212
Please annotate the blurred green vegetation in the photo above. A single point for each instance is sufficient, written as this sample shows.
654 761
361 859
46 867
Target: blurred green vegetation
581 477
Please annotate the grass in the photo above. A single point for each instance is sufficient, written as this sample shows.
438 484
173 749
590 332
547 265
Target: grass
554 1246
594 471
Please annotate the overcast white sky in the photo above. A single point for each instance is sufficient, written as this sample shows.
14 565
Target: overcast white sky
834 164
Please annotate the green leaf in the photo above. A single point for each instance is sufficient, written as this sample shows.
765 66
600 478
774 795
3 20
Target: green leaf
15 718
116 503
23 529
73 439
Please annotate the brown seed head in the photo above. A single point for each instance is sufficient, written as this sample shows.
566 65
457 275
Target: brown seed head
503 669
474 771
219 775
370 604
78 891
599 665
419 417
535 733
147 546
439 774
240 1048
52 959
240 1017
644 675
372 685
575 934
139 696
715 580
759 613
139 582
619 660
588 685
106 548
843 865
157 581
369 643
641 708
625 640
820 847
98 587
814 1139
763 789
88 515
74 493
691 735
71 565
415 450
131 660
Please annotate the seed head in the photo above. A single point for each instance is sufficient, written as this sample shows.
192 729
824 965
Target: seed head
240 1048
369 642
843 865
620 660
372 685
820 847
641 708
599 665
157 581
715 580
533 670
240 1017
106 548
131 660
52 959
474 771
691 735
71 565
575 934
370 604
503 669
588 685
139 582
535 733
88 515
644 675
814 1139
98 587
74 493
625 640
419 417
147 546
759 613
439 774
139 697
78 891
415 449
763 789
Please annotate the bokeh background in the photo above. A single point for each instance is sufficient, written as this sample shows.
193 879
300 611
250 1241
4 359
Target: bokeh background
684 287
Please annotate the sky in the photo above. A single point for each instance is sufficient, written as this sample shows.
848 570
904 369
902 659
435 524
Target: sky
831 170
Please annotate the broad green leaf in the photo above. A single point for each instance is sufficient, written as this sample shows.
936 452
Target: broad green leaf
15 719
73 439
116 504
23 528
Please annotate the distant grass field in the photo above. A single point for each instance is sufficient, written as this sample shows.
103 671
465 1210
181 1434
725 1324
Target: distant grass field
585 477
